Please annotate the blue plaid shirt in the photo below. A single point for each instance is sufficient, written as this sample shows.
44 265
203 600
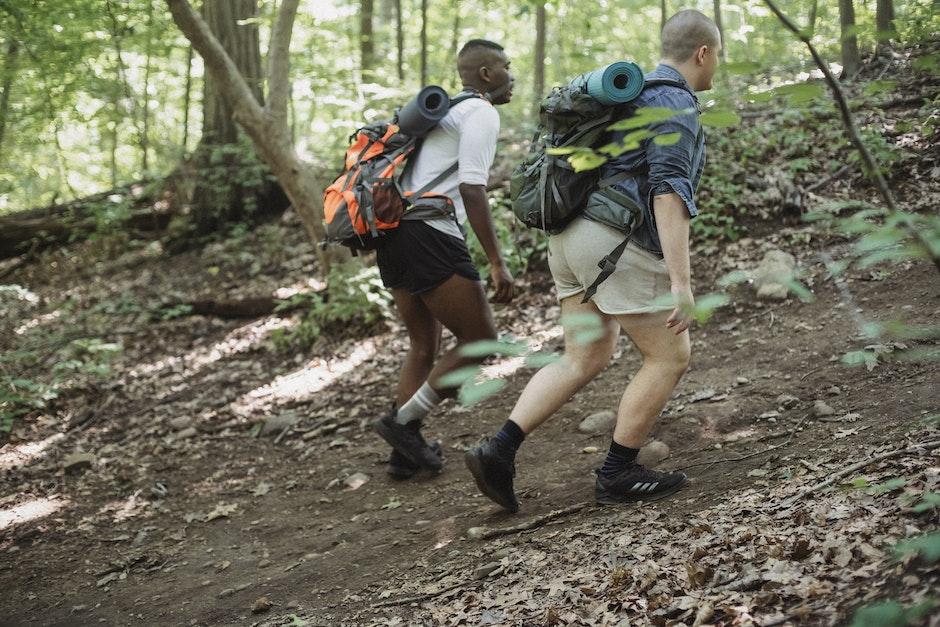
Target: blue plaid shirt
665 169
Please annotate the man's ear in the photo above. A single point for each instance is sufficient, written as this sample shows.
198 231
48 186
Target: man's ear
484 73
700 55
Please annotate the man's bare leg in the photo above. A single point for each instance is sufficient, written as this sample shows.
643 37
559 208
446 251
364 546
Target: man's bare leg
552 386
665 359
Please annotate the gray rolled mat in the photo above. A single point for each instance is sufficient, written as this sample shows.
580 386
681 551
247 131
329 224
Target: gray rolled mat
424 111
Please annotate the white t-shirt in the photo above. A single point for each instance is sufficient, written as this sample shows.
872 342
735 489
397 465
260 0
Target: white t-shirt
466 135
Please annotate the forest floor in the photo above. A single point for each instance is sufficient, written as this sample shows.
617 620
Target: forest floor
211 479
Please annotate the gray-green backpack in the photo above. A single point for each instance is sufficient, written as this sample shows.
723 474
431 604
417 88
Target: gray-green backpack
545 190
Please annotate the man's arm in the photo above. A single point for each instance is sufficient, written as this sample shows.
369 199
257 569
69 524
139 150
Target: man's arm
478 213
672 221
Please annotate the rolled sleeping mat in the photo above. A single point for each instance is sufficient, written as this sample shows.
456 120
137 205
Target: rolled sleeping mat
424 111
617 83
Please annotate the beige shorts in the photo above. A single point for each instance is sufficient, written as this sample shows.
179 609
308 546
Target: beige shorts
640 284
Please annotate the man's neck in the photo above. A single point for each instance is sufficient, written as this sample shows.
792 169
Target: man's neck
687 72
472 88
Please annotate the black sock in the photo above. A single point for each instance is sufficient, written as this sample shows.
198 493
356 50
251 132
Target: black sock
618 458
510 436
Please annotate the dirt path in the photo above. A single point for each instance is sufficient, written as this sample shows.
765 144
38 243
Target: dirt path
183 517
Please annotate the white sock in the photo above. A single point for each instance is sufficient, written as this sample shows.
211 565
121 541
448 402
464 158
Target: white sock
419 405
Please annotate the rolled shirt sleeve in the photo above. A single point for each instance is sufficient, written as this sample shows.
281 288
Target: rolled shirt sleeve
670 166
477 145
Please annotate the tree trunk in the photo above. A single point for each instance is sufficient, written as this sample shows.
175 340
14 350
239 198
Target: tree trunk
662 15
9 71
811 20
220 195
884 20
266 127
366 40
187 95
424 42
539 81
721 30
145 131
399 42
851 60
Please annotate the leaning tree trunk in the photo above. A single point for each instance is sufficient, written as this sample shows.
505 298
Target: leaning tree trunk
366 40
399 42
662 15
851 60
721 30
265 126
424 42
9 70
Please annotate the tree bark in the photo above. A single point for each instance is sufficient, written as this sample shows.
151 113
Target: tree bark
721 30
399 42
851 59
884 20
539 82
424 42
9 71
145 130
270 137
811 20
662 15
366 39
187 96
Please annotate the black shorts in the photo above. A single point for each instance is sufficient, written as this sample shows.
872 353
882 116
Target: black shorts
418 258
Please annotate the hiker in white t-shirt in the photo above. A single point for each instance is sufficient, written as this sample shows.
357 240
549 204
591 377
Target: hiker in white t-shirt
426 264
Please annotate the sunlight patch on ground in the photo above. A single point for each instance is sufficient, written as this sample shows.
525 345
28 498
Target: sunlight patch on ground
21 454
303 383
30 510
507 367
301 287
237 341
126 508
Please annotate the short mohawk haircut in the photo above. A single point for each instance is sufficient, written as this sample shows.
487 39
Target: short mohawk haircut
478 43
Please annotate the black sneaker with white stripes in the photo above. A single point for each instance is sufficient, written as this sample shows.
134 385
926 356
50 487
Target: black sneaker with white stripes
636 483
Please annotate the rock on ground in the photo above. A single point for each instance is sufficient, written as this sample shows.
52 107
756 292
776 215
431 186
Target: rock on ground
773 273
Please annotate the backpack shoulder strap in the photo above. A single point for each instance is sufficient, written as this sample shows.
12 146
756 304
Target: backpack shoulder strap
655 82
458 99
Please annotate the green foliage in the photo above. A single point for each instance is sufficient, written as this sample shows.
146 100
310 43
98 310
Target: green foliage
519 246
925 547
352 303
891 614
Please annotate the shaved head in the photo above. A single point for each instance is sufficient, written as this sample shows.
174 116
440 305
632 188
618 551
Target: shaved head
483 66
686 32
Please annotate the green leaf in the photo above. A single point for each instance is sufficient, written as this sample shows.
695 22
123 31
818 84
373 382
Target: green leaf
719 119
583 161
562 150
927 547
741 67
645 116
485 348
588 336
891 614
928 501
581 320
667 139
706 305
471 394
800 93
733 278
858 358
888 486
800 290
541 359
458 377
877 87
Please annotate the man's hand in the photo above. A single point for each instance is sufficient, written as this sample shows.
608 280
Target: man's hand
681 316
502 283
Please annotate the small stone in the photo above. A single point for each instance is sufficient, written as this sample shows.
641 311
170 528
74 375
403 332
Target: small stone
79 608
600 422
742 380
486 570
821 408
227 593
787 401
356 480
275 424
653 453
76 462
590 449
475 533
185 434
834 391
261 605
181 422
772 275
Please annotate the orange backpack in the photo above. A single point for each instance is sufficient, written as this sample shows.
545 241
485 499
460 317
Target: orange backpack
366 200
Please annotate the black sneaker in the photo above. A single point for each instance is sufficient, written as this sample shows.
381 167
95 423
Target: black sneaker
407 440
493 467
636 483
400 467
